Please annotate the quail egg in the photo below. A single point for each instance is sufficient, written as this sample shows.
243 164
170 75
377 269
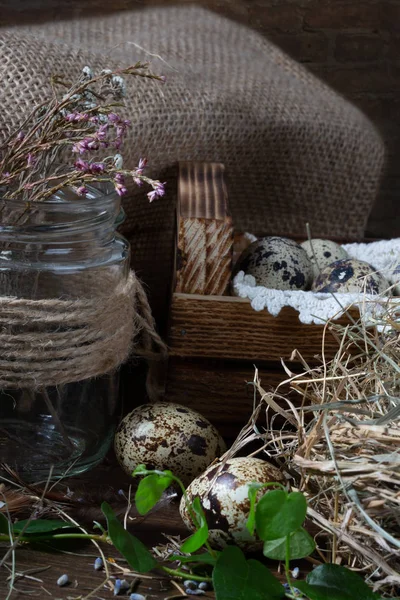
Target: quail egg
165 435
395 278
277 263
350 276
223 494
323 253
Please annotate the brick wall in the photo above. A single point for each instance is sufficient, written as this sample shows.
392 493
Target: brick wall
354 45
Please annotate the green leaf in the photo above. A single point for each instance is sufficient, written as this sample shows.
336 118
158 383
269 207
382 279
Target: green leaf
333 582
38 526
236 578
4 524
204 558
279 513
199 538
150 491
301 545
136 553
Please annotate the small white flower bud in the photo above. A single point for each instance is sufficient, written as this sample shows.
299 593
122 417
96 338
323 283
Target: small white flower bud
87 72
118 161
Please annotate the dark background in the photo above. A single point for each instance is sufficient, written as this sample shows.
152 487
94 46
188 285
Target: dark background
354 45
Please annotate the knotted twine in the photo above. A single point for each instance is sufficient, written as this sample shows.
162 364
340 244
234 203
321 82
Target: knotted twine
54 341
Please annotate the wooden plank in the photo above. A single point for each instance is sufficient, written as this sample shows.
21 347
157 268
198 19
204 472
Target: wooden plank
228 327
78 564
221 391
204 230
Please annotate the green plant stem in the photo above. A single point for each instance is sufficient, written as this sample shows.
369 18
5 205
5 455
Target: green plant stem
287 565
57 536
184 575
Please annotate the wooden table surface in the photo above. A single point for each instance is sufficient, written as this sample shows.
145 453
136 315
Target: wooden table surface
77 558
79 567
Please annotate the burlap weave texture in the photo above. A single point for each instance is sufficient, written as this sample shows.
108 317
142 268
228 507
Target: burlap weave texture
294 150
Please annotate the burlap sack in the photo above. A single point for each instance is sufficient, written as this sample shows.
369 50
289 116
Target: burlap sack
294 150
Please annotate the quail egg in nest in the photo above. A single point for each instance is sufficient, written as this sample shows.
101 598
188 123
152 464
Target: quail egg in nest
277 263
395 277
323 253
223 494
350 276
165 435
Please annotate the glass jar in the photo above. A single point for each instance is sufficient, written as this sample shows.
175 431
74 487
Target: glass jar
64 248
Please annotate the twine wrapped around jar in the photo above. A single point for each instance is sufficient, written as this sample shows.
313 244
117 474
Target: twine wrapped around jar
51 342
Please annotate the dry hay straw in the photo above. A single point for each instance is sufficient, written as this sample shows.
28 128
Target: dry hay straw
341 443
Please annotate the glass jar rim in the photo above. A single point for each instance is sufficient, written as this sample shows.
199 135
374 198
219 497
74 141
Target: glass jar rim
97 207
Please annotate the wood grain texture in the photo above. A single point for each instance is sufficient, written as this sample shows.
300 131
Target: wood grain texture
204 230
221 391
228 327
202 191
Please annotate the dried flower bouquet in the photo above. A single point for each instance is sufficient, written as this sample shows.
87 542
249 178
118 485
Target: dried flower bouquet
79 121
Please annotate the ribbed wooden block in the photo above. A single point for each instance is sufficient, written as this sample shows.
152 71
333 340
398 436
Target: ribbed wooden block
204 230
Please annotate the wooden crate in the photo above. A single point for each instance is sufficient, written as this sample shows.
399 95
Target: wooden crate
216 340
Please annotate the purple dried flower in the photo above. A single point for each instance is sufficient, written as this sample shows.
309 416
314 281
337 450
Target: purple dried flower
163 79
82 117
82 191
142 163
82 146
114 118
97 168
120 189
76 117
20 136
92 144
138 181
31 160
158 191
101 133
81 165
119 178
120 131
70 117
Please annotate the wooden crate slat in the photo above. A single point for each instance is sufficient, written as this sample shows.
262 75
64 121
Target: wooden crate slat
220 390
228 327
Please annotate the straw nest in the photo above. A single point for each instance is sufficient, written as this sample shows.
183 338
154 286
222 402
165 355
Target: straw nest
341 443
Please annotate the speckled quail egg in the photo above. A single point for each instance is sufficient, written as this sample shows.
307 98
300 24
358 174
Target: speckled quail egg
323 253
165 435
224 497
395 279
350 276
277 263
